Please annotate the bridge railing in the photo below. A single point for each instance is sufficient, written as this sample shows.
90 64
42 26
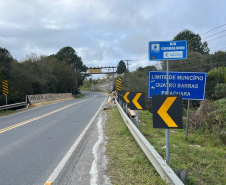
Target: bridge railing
40 98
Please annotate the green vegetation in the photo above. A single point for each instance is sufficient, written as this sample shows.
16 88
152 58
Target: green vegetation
8 112
87 83
79 96
203 154
121 67
41 74
194 41
83 88
127 163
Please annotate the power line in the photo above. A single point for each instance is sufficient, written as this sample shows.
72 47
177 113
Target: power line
213 29
218 46
199 65
214 34
216 38
211 55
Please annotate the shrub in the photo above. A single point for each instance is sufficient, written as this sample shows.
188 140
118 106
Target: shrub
220 90
211 117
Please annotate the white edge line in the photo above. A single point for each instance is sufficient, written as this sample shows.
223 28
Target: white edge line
62 163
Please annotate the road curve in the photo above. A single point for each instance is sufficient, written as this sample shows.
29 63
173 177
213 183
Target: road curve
33 142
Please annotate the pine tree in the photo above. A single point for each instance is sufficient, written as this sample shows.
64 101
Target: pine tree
121 68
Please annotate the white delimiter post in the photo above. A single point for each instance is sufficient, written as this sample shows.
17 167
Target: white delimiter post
167 130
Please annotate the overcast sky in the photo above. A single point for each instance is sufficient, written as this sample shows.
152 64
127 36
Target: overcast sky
103 32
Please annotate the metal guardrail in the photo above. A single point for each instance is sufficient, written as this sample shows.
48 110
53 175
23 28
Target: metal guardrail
13 105
157 161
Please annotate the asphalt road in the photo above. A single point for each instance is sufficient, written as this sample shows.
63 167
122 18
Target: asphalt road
33 142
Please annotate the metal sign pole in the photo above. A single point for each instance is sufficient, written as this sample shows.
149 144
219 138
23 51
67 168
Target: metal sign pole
167 130
187 119
138 126
5 99
127 108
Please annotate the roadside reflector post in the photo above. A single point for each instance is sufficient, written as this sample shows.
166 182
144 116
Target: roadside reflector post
138 126
167 130
187 120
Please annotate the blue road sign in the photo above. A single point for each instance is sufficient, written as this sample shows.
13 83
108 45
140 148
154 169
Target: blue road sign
168 50
191 85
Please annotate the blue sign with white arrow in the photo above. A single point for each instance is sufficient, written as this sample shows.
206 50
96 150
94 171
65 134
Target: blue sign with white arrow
191 85
168 50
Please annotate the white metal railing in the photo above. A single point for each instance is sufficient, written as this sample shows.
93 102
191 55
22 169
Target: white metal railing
40 98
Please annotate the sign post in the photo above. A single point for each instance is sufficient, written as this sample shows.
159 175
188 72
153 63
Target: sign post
167 50
167 130
137 102
187 119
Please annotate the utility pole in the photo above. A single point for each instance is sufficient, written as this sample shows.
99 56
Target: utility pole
127 64
113 80
109 79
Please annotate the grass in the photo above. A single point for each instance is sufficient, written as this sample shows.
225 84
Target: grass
127 163
85 89
8 112
79 96
206 162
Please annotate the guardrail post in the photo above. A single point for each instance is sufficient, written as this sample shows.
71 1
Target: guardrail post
138 124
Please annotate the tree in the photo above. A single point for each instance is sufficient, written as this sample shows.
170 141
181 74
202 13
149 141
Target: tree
194 41
1 74
219 74
121 67
70 55
6 60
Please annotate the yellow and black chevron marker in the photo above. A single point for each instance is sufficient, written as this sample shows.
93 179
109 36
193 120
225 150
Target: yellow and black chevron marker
167 111
5 87
136 100
125 97
118 84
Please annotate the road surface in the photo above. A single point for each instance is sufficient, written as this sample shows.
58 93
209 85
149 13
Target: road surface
53 142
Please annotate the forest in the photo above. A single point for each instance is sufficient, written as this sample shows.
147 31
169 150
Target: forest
40 74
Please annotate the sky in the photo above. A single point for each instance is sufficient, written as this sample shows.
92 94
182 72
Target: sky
103 32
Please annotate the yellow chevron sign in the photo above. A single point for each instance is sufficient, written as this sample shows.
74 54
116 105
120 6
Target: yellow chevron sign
5 87
126 97
163 112
136 100
119 84
167 111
